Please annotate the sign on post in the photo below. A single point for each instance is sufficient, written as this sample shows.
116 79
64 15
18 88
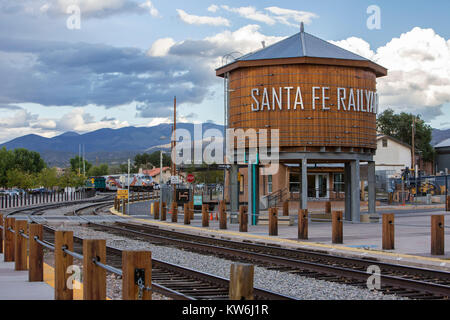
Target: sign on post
183 196
198 201
174 180
122 194
190 178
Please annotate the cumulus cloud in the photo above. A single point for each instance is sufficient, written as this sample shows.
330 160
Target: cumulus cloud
251 13
89 8
161 47
213 8
21 118
272 15
200 20
419 70
289 16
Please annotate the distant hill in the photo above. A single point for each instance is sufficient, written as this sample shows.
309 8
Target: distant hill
439 136
112 146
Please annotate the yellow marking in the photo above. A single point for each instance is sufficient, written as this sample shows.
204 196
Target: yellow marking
254 236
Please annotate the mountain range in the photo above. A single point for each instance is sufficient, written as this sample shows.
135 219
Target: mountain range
111 146
115 146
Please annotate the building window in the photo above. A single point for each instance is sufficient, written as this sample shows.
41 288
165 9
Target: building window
269 184
338 182
385 143
294 182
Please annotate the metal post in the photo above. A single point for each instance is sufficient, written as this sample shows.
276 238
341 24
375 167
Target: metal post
371 186
355 195
304 191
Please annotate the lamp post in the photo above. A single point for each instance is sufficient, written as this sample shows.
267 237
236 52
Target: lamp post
128 202
161 181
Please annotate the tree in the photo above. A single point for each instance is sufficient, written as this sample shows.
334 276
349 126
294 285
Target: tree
76 165
20 179
71 179
399 126
147 161
101 170
48 178
23 160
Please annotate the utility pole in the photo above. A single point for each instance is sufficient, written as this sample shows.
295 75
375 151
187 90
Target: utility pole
128 202
84 167
174 128
413 144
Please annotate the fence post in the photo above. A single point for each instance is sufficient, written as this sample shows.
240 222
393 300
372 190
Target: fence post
273 222
136 265
328 207
156 210
1 232
8 255
36 270
303 224
20 245
62 262
286 208
94 277
241 281
243 219
174 211
163 212
222 215
337 227
437 235
388 231
187 214
205 218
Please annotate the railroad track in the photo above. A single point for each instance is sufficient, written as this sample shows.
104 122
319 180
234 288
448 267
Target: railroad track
407 281
168 279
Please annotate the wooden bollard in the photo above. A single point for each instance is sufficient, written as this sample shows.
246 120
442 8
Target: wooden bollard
8 254
124 207
36 270
191 210
136 265
243 219
241 281
62 262
286 208
94 277
337 227
437 235
388 231
164 212
222 216
20 245
174 212
328 207
273 221
187 214
156 210
1 232
447 204
205 218
303 224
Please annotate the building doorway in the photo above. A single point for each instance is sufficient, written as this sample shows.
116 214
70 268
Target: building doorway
318 186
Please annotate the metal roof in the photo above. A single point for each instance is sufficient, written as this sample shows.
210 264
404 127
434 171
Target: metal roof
302 44
443 144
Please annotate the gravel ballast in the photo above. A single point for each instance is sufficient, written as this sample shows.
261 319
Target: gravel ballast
280 282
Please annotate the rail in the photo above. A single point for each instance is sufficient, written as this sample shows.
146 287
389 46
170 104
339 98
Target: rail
136 269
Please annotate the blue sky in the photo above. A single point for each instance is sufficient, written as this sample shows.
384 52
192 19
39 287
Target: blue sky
130 57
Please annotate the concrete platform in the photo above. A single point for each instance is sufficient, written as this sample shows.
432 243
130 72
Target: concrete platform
412 237
14 285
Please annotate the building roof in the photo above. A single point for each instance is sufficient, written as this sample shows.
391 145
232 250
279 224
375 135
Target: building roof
155 171
380 136
303 48
302 44
443 144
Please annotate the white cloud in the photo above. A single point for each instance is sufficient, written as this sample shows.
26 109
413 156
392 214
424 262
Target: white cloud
156 121
161 47
286 15
151 8
418 64
78 120
20 119
252 14
213 8
200 20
